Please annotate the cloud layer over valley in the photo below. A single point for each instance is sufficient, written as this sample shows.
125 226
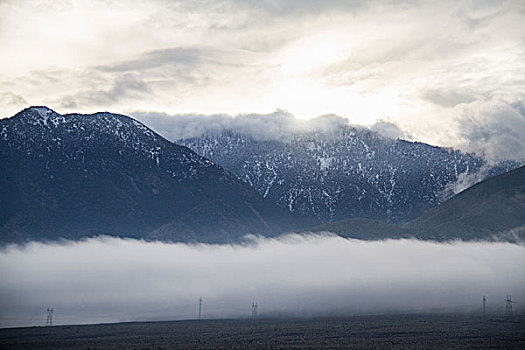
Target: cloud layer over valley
109 279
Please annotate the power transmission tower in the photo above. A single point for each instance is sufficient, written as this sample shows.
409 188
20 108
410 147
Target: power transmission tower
484 304
508 305
254 310
200 307
49 319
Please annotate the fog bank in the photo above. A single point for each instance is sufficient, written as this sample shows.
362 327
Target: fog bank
110 279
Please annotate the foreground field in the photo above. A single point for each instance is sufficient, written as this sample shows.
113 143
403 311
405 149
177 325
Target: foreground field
359 332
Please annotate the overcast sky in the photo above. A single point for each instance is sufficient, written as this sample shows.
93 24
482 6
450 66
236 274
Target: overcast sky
447 72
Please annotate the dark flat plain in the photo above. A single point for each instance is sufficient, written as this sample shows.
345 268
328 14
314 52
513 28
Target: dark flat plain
356 332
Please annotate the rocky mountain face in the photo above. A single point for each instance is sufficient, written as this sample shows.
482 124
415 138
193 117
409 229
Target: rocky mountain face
76 175
346 173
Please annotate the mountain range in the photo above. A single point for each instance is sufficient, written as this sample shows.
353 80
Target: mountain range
71 176
493 209
345 173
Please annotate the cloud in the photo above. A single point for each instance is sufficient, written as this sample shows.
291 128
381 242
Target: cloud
411 63
465 180
185 58
10 98
110 279
123 87
448 98
157 58
278 125
389 130
180 65
153 77
493 128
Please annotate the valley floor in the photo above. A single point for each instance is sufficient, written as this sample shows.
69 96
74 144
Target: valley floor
357 332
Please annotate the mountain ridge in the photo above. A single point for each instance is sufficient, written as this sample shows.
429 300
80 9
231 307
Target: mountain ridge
348 172
493 210
493 207
75 175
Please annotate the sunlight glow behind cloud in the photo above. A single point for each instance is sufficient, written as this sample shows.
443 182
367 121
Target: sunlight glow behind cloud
414 63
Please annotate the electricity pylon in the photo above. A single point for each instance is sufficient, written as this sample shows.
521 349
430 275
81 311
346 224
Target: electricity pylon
49 319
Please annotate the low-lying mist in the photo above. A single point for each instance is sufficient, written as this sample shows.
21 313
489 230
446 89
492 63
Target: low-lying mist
110 279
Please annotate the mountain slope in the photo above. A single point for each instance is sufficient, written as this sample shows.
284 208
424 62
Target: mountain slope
346 173
363 229
492 207
76 175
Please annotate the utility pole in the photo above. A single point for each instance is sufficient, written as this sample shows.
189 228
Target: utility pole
200 307
49 319
508 305
254 310
484 304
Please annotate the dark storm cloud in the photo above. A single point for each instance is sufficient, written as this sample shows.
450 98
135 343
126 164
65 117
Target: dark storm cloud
110 279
